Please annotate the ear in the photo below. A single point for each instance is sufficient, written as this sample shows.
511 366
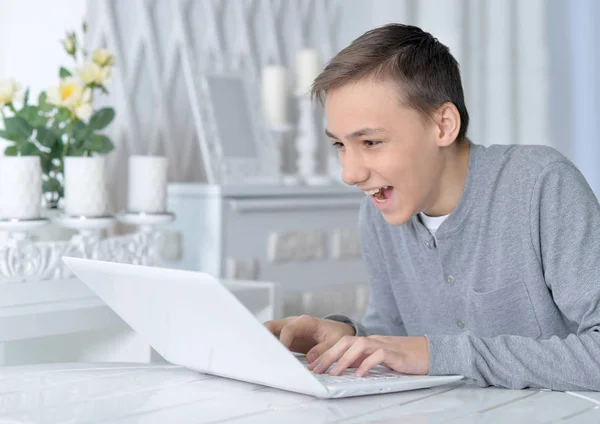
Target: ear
448 123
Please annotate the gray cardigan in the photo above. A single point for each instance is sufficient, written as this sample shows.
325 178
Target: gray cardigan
508 290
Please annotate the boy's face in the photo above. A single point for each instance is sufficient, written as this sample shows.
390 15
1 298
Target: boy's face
382 144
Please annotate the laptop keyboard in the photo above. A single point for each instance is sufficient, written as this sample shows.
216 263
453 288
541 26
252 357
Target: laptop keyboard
376 373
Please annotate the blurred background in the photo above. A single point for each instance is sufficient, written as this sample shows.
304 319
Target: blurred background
529 71
528 67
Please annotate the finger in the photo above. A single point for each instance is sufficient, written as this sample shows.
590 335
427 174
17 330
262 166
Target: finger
323 363
298 327
313 354
376 358
356 354
275 326
378 337
287 335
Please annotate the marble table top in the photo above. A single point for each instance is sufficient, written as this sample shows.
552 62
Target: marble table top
164 393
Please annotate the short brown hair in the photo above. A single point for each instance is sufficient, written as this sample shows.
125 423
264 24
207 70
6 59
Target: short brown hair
424 69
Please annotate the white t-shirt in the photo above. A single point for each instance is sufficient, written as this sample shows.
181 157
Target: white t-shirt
432 222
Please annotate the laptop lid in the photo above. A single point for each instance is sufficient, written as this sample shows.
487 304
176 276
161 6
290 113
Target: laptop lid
192 320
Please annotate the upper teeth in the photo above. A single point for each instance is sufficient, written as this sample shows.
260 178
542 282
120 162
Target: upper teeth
372 192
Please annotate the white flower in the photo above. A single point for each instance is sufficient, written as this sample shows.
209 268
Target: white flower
70 44
106 76
9 92
92 73
74 95
68 93
83 109
103 57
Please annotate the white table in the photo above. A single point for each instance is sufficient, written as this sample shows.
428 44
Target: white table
155 393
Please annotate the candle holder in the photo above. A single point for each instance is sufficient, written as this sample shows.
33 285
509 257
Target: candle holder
86 224
307 142
147 239
20 256
24 260
87 241
281 134
145 220
19 228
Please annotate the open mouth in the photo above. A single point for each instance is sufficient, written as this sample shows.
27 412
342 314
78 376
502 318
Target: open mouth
381 195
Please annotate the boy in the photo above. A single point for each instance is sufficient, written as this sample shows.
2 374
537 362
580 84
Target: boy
482 261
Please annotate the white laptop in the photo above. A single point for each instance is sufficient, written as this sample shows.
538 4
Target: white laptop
192 320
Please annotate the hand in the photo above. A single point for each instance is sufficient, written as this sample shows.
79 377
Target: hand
310 335
409 355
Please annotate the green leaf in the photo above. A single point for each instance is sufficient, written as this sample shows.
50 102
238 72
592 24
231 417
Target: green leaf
63 114
32 115
43 102
51 185
26 98
11 150
98 143
102 118
63 73
74 143
45 137
45 162
81 131
28 149
56 151
12 137
76 151
18 126
28 113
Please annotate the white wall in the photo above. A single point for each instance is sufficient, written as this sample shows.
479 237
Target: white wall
30 34
502 50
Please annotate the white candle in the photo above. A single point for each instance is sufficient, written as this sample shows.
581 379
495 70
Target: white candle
85 186
20 187
308 66
147 184
274 89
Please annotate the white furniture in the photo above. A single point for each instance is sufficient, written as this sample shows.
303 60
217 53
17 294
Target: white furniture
303 237
62 320
163 393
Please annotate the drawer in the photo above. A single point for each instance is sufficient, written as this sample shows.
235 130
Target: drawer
303 243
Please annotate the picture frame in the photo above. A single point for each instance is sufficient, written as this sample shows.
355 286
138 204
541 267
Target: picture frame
235 144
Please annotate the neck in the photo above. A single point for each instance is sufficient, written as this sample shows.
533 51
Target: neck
451 180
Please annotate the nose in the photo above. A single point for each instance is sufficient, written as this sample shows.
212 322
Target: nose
354 170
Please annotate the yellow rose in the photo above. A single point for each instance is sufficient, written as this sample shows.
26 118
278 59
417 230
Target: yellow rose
70 44
102 57
91 73
9 92
84 111
68 93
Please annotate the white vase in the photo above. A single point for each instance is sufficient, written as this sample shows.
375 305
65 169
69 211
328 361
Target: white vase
147 184
20 187
85 186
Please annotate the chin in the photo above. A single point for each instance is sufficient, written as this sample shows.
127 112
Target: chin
396 218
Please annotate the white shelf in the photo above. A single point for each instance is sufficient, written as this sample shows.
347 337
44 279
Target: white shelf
259 190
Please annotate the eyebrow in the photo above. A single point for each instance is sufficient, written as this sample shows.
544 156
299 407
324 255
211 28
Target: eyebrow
358 133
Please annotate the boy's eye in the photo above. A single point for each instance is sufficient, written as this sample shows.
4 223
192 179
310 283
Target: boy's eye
337 145
371 143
